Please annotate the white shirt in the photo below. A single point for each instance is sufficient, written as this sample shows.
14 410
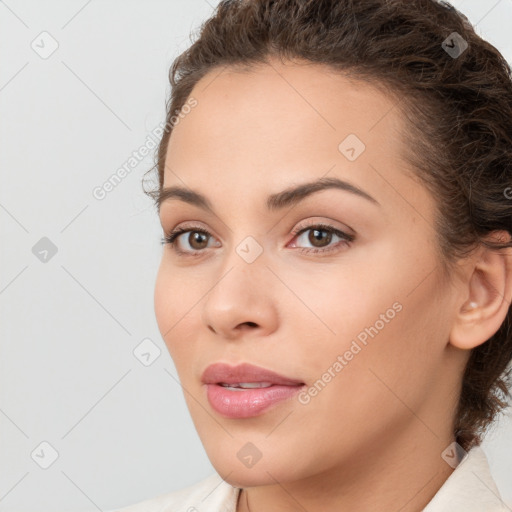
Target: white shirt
470 488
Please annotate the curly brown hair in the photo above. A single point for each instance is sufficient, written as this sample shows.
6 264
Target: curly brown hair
457 102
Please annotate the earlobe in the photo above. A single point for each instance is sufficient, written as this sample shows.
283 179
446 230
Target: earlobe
488 297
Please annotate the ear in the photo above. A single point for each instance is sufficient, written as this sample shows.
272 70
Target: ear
488 294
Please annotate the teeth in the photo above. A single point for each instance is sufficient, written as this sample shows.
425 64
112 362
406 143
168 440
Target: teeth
247 385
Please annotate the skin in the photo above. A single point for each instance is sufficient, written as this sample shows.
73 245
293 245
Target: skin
372 439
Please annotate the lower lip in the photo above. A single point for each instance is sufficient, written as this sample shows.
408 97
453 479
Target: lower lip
249 402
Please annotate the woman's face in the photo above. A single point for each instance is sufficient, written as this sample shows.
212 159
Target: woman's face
362 322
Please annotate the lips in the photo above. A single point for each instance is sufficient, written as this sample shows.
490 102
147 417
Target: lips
244 391
221 373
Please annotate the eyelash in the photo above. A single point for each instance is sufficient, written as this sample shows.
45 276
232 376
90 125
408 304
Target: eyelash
346 239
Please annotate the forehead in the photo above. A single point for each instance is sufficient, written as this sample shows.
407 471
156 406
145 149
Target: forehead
286 108
259 130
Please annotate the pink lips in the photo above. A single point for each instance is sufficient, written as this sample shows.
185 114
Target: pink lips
245 402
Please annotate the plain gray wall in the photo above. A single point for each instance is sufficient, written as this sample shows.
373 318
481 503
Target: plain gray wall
69 325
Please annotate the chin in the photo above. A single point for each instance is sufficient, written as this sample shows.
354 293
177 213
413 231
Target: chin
246 477
235 466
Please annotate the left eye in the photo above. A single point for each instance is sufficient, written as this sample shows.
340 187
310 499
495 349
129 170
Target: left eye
316 237
198 239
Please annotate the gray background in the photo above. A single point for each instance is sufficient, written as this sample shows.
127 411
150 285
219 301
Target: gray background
69 325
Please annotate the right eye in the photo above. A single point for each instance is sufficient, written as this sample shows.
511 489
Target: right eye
197 237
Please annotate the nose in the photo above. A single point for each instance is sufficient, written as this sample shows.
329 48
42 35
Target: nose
242 302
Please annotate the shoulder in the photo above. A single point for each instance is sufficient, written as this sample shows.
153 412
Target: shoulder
209 495
470 488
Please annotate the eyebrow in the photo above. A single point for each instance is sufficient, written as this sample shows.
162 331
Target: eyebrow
277 201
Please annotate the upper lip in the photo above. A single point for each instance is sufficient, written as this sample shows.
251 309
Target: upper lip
226 374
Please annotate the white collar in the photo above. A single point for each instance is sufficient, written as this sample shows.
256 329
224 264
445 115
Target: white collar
470 488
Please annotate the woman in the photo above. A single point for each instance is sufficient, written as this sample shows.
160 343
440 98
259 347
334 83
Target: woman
336 277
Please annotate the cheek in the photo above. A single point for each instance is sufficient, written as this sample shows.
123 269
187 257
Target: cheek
383 320
396 364
163 301
353 302
177 303
171 305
